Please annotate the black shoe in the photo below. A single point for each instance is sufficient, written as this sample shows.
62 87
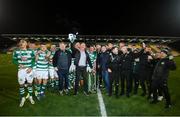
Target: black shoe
75 93
121 94
154 102
168 106
149 97
128 95
143 94
117 96
109 94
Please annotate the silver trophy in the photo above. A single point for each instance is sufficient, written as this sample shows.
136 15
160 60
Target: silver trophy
72 37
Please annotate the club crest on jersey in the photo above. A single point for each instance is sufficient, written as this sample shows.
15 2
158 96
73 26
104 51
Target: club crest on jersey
23 58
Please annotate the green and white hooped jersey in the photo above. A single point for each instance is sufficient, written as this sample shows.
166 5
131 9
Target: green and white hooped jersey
92 57
24 57
50 61
42 62
35 51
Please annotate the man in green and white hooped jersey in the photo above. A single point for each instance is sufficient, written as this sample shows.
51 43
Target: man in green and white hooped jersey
32 46
52 72
91 75
25 59
42 58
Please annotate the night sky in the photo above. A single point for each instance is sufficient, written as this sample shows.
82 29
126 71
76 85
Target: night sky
147 17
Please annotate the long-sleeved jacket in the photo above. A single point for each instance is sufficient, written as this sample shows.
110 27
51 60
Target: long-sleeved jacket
162 68
135 67
128 59
114 64
78 56
97 60
104 59
73 49
144 64
58 54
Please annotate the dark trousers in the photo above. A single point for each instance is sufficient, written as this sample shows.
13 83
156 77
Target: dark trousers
98 77
125 77
163 86
131 82
106 79
136 82
142 83
149 84
63 79
144 77
114 79
160 93
81 72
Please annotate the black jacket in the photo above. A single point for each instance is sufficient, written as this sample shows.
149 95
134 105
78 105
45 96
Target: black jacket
161 70
127 60
144 64
56 57
76 54
73 49
114 62
77 58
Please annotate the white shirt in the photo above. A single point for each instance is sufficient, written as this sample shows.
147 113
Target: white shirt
82 60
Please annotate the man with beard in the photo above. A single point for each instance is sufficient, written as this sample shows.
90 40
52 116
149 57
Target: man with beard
160 77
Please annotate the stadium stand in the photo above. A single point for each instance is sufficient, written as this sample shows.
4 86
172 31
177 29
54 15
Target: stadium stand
9 41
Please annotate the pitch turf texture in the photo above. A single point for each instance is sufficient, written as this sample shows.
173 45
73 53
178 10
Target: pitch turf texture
80 105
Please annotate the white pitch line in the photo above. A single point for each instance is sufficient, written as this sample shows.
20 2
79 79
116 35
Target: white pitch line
101 103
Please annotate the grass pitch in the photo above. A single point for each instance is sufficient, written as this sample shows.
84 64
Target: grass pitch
80 105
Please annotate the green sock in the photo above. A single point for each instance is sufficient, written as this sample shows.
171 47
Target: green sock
21 92
49 83
30 90
56 82
39 89
43 88
52 82
36 86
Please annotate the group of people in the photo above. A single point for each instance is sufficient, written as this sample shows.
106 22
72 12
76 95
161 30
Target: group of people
117 68
128 67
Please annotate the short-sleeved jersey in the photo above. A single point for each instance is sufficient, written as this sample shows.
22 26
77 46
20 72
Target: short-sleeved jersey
51 59
42 62
24 57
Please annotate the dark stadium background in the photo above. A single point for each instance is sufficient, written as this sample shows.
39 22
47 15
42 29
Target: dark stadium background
123 17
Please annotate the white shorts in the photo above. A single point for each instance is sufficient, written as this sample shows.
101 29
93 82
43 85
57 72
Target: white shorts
53 73
24 76
34 73
42 74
